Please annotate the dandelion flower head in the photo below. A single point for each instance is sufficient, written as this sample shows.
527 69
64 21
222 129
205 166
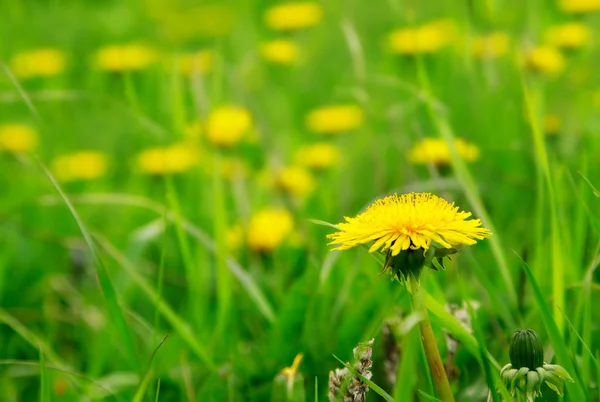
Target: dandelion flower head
414 220
295 180
579 6
568 36
46 62
334 119
227 125
293 15
437 152
80 165
545 60
319 156
177 158
427 38
268 229
280 51
130 57
17 137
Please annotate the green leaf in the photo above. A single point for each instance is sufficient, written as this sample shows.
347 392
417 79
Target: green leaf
429 397
141 391
44 382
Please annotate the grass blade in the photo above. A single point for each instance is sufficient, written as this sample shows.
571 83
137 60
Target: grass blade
44 382
141 391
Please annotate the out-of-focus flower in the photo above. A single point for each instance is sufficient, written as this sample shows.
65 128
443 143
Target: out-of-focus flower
428 38
17 137
568 36
545 60
280 51
295 180
226 125
234 237
334 119
80 165
177 158
206 21
130 57
579 6
46 62
293 15
199 62
551 123
437 152
491 46
321 155
268 229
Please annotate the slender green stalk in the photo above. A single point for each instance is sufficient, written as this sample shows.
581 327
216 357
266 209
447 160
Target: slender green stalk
434 360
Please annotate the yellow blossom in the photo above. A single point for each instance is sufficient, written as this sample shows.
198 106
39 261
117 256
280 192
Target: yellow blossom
579 6
295 180
334 119
491 46
130 57
568 36
290 372
545 60
280 51
437 152
176 158
227 125
268 229
414 221
80 165
293 15
321 155
46 62
199 62
428 38
17 137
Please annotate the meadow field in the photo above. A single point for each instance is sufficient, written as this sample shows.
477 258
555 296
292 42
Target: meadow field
175 176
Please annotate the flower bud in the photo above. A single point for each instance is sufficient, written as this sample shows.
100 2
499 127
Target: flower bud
526 350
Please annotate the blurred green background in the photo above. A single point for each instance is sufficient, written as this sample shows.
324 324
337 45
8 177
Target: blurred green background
162 164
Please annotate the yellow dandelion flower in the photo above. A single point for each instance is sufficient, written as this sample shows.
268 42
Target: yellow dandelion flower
81 165
579 6
268 229
280 51
227 125
295 180
321 155
411 221
130 57
17 137
490 46
293 15
545 60
199 62
552 124
437 152
428 38
334 119
46 62
177 158
568 36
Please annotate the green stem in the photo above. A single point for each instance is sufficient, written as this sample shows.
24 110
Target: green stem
434 360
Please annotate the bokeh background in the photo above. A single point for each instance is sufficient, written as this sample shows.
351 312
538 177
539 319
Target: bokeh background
167 169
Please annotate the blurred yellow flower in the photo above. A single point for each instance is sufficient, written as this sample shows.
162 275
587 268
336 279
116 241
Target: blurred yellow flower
206 21
293 15
545 60
491 46
268 229
290 372
321 155
46 62
552 124
80 165
437 152
568 36
428 38
280 51
130 57
17 137
199 62
176 158
295 180
226 125
334 119
579 6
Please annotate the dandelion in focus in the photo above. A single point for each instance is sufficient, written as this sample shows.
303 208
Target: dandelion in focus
334 119
122 58
177 158
490 46
46 62
268 229
293 15
295 180
568 36
17 137
428 38
579 6
200 62
80 165
319 156
226 125
280 51
545 60
437 152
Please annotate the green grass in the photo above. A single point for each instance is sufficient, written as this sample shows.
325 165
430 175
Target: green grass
95 273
